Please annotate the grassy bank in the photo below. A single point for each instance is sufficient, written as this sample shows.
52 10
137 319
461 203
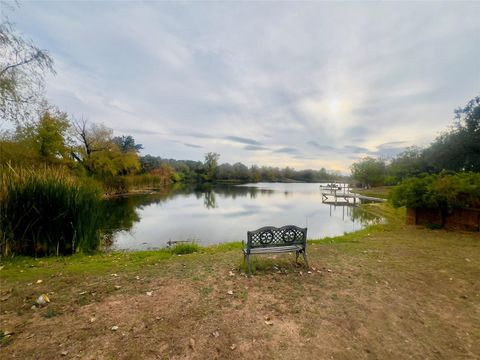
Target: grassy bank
389 291
378 192
26 268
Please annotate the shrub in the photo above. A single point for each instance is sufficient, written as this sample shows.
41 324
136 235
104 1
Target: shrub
443 191
47 212
186 248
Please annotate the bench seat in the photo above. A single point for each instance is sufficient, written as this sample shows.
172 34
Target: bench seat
276 249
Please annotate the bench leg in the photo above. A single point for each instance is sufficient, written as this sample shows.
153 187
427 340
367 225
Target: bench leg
297 253
248 265
304 253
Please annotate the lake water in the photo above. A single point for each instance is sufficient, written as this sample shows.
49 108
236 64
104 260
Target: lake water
224 214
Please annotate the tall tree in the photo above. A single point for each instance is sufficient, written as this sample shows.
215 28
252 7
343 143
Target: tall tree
458 149
410 162
369 171
98 152
51 138
127 143
210 166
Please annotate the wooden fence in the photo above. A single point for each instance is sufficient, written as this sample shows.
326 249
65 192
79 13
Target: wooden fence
459 219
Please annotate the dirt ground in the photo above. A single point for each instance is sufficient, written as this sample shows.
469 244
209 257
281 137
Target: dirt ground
404 293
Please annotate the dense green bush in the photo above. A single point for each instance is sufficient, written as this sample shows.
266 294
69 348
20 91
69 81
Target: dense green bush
184 248
443 191
47 212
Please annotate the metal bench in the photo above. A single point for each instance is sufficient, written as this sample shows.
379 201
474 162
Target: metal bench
270 239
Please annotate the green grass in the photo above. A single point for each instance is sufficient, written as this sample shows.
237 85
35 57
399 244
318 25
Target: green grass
4 338
381 192
50 313
21 268
186 248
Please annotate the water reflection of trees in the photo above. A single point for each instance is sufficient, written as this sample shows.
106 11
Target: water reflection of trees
121 213
209 200
355 213
231 191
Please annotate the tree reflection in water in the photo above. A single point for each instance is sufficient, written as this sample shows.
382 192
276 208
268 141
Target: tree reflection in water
120 213
192 210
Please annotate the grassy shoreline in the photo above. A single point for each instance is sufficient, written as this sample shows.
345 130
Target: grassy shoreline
102 262
366 295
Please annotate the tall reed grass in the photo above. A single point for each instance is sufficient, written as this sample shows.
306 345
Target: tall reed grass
45 211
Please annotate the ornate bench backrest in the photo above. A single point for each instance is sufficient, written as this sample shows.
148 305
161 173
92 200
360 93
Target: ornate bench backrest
270 236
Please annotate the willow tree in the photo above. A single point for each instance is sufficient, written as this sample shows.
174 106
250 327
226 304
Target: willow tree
23 67
98 152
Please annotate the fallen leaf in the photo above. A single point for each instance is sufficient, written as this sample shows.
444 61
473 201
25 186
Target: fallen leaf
216 333
92 319
233 347
149 293
114 328
230 273
64 353
115 275
39 281
268 322
192 343
117 287
43 299
230 292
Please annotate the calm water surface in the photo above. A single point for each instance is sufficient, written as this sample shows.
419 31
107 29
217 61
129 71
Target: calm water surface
224 214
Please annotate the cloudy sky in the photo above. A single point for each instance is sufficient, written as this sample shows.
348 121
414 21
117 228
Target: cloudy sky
304 84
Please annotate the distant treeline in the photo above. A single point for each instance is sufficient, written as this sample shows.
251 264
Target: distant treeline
210 171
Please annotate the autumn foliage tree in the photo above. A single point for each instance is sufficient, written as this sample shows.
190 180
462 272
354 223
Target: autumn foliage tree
99 153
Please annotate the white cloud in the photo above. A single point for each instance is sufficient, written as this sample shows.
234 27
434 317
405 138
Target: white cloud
185 76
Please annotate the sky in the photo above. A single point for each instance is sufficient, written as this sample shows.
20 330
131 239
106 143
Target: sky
299 84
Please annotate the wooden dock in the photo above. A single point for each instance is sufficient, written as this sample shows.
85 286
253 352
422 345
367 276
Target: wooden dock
339 197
